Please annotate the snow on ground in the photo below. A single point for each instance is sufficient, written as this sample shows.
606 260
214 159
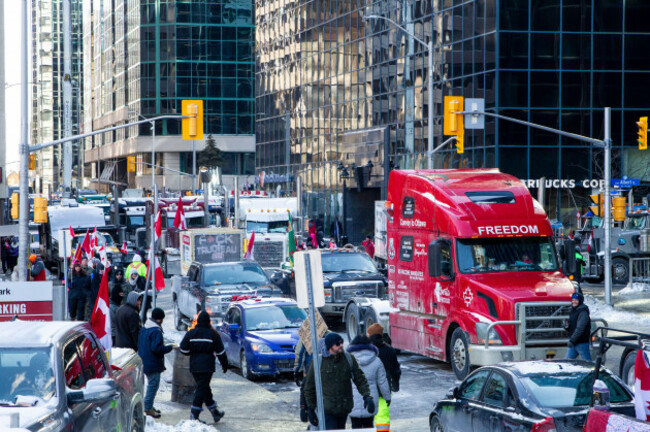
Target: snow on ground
597 309
182 426
635 288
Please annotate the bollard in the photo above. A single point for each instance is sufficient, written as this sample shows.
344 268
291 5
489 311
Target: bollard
183 383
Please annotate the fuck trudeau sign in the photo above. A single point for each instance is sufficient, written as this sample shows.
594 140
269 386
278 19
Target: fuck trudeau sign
29 301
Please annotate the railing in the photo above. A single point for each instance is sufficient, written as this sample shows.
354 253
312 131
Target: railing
638 272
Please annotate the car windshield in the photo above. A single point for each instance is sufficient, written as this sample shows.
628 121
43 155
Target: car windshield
347 262
102 240
238 273
637 222
274 317
267 227
505 254
26 372
571 389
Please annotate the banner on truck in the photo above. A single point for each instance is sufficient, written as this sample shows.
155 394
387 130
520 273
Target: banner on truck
29 301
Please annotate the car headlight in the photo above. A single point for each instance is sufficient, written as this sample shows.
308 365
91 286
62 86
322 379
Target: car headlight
493 338
261 348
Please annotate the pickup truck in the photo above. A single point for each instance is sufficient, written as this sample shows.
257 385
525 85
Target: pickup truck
214 285
56 377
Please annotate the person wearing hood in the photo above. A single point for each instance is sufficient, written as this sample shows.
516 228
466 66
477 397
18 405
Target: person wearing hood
338 370
118 280
367 357
127 322
579 328
37 268
152 350
95 280
388 357
203 344
116 299
78 292
136 266
12 254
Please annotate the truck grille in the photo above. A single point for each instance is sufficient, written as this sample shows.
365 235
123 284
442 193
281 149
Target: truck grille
269 253
544 322
344 291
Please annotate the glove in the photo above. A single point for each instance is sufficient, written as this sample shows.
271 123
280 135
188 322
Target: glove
313 418
224 367
388 402
369 404
297 377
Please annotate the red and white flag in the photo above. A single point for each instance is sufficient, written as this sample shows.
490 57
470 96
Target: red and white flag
83 246
642 387
179 219
93 239
250 249
158 225
71 232
102 256
609 421
124 248
101 317
160 277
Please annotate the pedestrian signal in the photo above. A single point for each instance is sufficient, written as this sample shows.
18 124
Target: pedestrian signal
130 164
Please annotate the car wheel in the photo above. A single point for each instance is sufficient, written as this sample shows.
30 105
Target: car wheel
163 266
137 424
620 271
627 372
243 365
352 321
178 318
459 354
436 424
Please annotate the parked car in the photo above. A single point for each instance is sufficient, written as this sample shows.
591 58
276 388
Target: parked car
260 335
58 378
534 395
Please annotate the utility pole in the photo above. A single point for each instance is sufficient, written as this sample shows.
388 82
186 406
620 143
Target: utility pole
23 207
607 270
67 98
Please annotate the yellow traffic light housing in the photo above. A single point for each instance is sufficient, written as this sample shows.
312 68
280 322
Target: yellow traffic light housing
32 162
40 210
130 164
453 122
619 207
14 205
598 206
643 133
460 144
193 125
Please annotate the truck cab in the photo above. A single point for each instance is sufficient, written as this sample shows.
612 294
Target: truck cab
473 272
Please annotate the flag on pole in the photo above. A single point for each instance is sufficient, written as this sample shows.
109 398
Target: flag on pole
158 225
179 219
124 248
101 317
160 277
102 256
642 387
93 239
71 232
249 255
292 240
84 246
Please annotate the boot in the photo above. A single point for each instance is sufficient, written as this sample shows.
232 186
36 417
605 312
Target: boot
216 412
195 413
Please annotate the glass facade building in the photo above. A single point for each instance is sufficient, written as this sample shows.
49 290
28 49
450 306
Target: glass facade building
144 58
324 72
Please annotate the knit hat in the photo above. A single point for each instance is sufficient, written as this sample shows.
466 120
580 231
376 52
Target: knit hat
157 314
332 339
578 297
203 320
137 258
374 329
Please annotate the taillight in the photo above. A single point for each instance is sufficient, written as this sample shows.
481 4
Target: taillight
546 425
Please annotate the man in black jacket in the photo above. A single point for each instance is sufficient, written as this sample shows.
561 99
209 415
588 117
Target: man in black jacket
388 357
128 322
579 328
202 344
78 293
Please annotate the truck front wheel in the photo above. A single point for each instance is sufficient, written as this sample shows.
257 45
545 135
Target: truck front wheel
178 318
627 371
620 270
459 353
352 321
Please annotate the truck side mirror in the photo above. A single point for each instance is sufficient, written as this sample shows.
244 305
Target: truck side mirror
570 256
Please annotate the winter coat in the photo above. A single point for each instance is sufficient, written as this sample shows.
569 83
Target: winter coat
388 357
337 375
127 323
203 344
95 281
302 358
370 247
79 285
115 303
37 271
151 348
579 324
122 283
375 373
13 249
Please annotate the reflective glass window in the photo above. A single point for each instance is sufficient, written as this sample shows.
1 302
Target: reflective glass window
608 15
513 50
545 15
513 14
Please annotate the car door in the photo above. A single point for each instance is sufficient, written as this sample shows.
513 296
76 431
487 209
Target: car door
81 413
459 419
236 335
225 334
499 410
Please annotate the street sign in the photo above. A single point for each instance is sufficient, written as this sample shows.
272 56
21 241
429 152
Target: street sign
316 273
29 301
474 121
625 183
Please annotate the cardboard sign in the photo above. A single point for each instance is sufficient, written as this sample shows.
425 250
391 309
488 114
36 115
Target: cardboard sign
29 301
305 331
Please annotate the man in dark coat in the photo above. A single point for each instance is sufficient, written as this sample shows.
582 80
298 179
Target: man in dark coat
95 280
127 322
78 293
338 370
4 253
388 357
152 350
579 328
203 344
116 300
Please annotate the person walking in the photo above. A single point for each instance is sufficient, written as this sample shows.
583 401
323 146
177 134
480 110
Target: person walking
116 299
12 254
203 344
579 328
4 254
152 350
369 246
78 293
37 268
95 280
118 280
300 367
366 355
388 357
136 266
127 322
338 370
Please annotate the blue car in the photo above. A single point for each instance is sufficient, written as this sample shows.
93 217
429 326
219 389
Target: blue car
260 335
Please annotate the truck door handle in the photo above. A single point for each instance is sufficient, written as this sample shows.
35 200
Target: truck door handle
96 412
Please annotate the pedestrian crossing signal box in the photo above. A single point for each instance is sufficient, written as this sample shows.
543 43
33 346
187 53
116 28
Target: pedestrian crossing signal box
193 124
40 210
453 122
14 205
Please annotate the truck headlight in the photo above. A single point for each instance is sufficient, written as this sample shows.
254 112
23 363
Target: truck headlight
328 294
493 338
261 348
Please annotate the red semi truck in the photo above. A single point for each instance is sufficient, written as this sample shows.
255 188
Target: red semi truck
473 272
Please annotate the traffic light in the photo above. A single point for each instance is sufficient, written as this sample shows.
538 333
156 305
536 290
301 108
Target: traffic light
453 122
643 133
130 164
619 208
32 162
40 210
597 207
460 144
193 125
14 205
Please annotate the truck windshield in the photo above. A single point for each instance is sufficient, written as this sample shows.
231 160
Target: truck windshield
347 262
102 240
505 254
26 372
240 273
267 227
274 317
190 221
135 221
635 222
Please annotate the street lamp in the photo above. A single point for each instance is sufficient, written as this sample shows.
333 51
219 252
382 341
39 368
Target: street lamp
430 83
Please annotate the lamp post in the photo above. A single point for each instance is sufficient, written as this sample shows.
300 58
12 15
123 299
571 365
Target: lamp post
429 46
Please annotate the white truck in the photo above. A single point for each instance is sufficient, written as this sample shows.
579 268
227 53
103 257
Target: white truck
206 245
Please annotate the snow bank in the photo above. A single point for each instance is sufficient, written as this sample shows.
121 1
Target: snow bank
613 315
635 288
182 426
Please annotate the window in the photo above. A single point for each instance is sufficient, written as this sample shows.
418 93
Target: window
72 367
91 357
496 391
491 197
471 388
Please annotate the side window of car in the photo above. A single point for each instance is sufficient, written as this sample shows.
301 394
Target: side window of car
236 317
91 357
496 390
230 316
72 367
191 273
471 388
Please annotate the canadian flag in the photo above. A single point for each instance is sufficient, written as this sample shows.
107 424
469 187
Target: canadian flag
642 387
160 277
101 317
179 219
71 232
124 248
102 256
608 421
84 246
158 224
93 239
250 249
